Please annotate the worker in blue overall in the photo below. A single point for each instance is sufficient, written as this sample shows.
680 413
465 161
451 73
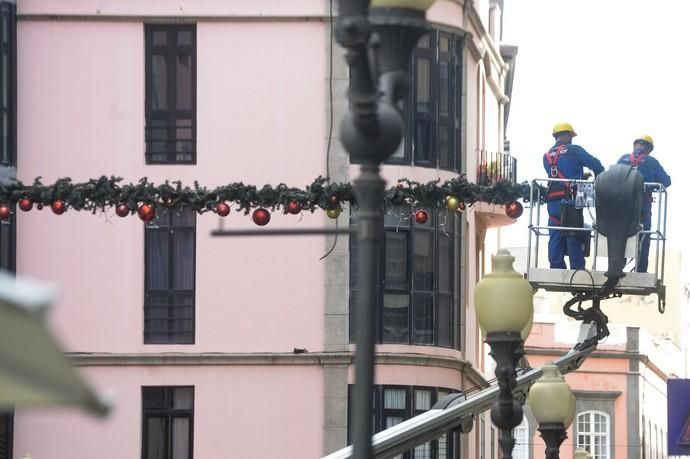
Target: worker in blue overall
653 172
565 161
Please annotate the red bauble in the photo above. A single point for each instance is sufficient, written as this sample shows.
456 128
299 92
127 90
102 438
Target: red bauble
146 212
514 209
222 209
25 204
58 207
294 207
122 210
462 206
261 217
421 216
333 199
5 212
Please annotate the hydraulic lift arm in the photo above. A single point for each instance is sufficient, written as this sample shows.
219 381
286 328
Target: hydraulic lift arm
457 411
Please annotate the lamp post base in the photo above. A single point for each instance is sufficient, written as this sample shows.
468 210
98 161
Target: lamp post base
553 434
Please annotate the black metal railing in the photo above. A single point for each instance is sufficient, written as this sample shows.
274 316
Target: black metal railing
493 167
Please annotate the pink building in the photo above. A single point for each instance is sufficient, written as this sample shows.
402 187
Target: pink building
240 347
620 392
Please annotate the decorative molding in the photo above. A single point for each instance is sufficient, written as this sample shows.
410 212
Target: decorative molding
308 358
152 19
643 358
597 394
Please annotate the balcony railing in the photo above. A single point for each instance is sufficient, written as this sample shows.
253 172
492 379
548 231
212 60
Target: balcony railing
495 167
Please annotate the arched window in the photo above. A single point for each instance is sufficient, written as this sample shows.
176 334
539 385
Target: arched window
522 440
594 433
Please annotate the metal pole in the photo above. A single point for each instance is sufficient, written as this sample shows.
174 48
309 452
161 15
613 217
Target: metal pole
369 189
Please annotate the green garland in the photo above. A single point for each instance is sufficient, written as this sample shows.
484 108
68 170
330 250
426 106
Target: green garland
104 192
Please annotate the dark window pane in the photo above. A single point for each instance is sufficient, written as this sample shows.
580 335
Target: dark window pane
423 78
160 37
423 319
396 260
157 255
180 438
424 42
423 261
396 318
444 146
185 138
354 266
183 398
185 218
444 89
444 320
156 438
5 81
422 140
444 43
157 136
184 37
159 82
394 399
183 261
398 217
184 82
154 397
445 258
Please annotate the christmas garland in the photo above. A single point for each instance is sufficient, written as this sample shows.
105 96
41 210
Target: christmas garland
144 197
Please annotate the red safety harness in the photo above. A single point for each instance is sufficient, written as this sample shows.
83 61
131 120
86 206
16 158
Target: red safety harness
563 188
635 161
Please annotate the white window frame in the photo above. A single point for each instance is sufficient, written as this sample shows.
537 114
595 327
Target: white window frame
587 418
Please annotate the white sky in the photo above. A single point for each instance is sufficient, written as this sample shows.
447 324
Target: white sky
614 69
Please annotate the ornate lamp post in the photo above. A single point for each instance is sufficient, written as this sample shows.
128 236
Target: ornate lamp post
503 302
582 454
379 41
553 406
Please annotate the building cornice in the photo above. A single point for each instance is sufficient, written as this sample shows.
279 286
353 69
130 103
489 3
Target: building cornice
596 394
643 358
307 358
152 19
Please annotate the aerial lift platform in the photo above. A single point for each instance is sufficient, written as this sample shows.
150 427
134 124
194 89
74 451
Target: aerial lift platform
567 280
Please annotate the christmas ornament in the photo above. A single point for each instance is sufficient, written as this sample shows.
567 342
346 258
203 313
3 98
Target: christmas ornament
462 206
25 204
421 216
514 209
453 203
39 206
261 216
122 210
294 207
169 201
58 207
5 212
222 209
333 213
146 212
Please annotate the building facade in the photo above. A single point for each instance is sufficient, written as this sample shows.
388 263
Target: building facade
242 347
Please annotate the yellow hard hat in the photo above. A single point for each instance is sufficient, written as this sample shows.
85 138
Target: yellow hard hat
647 139
563 127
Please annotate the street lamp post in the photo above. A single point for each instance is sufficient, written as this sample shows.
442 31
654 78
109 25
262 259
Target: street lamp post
503 302
379 41
553 406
